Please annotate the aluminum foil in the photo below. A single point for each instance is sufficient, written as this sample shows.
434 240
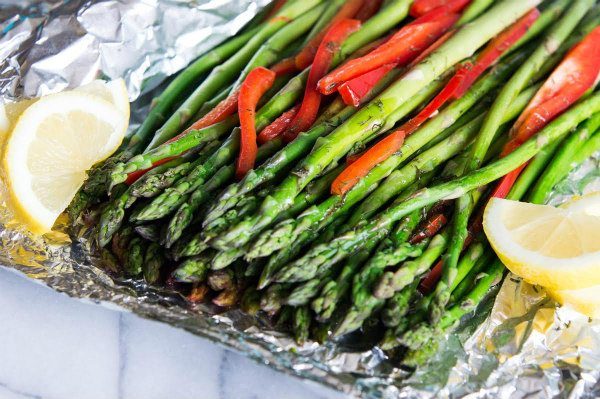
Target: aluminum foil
518 344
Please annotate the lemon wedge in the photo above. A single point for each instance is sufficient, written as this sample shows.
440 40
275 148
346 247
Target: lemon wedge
52 145
558 248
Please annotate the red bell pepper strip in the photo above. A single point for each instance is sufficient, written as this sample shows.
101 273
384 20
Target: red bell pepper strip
430 228
368 9
422 7
278 126
355 89
430 280
362 166
576 74
306 56
402 48
311 102
496 48
285 66
219 113
258 81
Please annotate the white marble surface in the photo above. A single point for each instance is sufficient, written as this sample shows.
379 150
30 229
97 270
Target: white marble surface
55 347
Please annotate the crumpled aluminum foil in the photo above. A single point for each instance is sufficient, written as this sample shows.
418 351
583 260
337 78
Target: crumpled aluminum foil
525 348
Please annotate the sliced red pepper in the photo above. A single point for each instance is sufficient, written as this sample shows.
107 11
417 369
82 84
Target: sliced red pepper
402 48
311 102
497 47
285 66
422 7
258 81
225 108
430 228
369 8
306 56
362 166
576 74
355 89
430 280
278 126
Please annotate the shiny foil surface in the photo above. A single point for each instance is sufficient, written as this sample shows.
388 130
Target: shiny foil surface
518 344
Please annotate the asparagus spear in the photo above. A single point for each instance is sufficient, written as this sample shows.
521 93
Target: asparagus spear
392 282
153 262
398 305
301 323
193 270
135 257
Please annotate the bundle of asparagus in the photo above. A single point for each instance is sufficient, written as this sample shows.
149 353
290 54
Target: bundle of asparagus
363 208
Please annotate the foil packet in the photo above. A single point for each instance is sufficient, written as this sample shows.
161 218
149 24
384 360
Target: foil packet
517 344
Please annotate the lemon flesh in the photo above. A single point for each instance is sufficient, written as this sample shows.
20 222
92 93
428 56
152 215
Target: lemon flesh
54 142
558 248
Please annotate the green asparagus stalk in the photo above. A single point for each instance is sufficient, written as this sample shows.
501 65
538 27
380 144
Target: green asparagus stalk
193 270
392 282
153 262
398 305
471 277
135 257
476 8
301 324
303 293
